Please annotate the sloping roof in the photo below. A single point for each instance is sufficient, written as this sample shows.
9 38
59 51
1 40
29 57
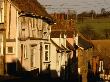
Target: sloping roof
60 48
84 43
63 27
56 34
68 45
102 49
31 6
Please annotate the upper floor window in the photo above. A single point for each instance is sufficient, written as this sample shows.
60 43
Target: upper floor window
45 30
23 33
40 24
34 23
23 23
34 33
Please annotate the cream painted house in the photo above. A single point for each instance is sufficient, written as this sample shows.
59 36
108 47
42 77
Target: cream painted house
62 48
28 28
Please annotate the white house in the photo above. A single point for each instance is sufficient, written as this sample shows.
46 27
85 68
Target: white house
62 46
28 28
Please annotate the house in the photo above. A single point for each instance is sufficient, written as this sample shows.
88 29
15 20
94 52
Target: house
85 53
2 35
28 28
62 47
102 51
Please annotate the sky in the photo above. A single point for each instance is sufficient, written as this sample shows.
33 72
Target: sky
77 5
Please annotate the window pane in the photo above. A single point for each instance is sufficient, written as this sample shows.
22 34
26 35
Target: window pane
10 49
46 55
46 47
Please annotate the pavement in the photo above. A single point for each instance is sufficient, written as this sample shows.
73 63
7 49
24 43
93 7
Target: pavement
28 79
8 77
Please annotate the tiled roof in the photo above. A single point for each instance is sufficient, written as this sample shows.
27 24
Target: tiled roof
30 6
84 43
56 34
63 26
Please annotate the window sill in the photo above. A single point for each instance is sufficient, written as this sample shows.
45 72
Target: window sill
46 61
10 54
25 58
32 68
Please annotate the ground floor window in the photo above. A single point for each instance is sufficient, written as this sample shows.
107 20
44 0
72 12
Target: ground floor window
33 56
10 50
46 52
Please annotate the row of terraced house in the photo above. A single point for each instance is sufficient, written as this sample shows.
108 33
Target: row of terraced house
33 41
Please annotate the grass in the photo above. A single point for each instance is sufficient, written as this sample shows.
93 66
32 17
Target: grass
99 24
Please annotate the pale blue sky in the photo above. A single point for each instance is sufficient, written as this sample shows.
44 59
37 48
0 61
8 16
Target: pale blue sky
77 5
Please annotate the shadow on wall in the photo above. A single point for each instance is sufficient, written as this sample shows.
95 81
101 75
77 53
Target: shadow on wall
15 69
91 77
71 71
68 73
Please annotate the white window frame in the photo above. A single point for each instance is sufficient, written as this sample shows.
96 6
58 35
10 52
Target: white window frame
8 49
101 65
48 55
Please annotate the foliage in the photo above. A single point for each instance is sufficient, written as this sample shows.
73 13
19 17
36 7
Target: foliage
89 32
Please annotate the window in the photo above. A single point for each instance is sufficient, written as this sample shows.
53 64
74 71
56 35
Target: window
34 21
101 65
46 52
33 58
1 15
40 32
9 49
23 33
34 33
39 24
25 51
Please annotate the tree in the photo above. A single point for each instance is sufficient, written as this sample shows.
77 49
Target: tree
92 14
103 11
89 32
107 33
